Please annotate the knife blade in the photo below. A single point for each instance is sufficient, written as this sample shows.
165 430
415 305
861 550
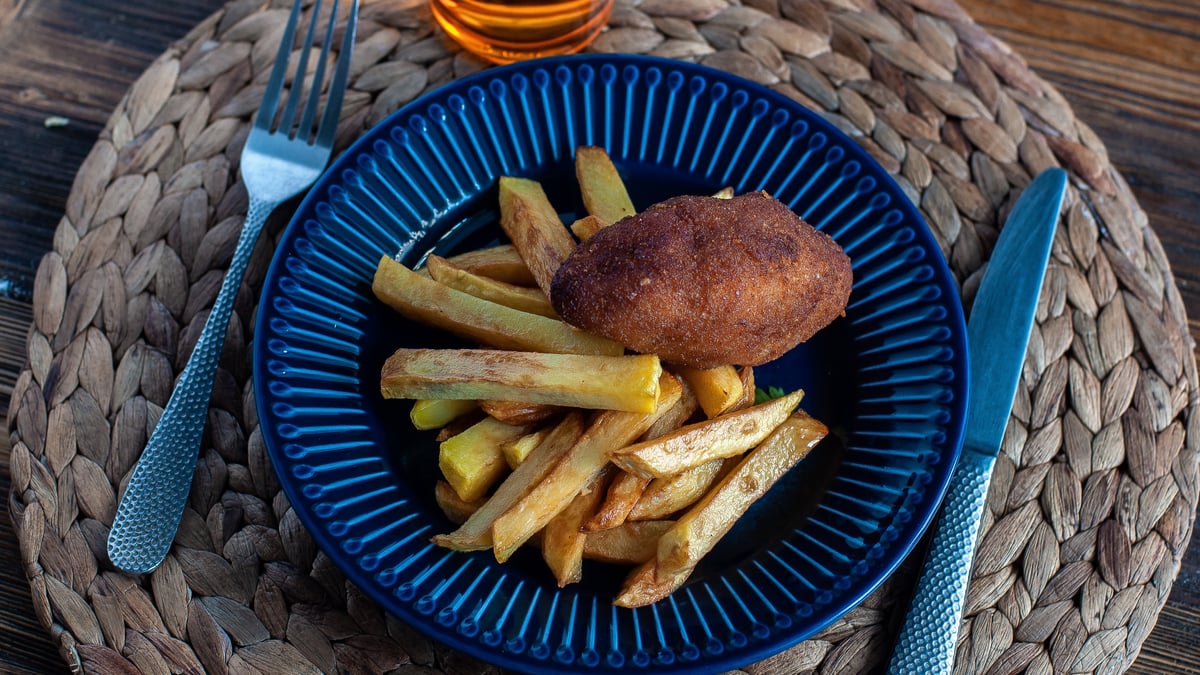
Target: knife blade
997 336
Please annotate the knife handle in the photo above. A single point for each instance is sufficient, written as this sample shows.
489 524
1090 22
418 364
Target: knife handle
929 637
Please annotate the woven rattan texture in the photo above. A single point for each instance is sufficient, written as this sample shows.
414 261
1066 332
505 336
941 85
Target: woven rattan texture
1095 491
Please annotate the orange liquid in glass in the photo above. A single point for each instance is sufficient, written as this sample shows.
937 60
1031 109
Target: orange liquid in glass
503 32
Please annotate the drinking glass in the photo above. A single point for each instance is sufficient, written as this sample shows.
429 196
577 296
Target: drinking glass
503 31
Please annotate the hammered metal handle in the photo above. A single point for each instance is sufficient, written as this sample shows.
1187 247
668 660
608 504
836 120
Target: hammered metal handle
153 503
929 636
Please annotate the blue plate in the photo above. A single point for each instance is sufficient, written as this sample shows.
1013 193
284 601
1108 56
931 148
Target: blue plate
889 378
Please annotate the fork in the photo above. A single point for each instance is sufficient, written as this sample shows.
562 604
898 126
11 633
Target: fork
278 162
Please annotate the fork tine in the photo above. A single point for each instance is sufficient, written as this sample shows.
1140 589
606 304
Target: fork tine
266 111
337 87
293 100
305 128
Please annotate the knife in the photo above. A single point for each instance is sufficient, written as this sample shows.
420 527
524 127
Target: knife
997 336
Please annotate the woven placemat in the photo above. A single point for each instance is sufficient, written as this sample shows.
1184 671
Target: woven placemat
1094 495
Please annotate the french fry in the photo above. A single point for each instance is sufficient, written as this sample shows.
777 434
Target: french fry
522 298
501 263
664 496
623 492
609 431
699 530
603 382
630 543
694 444
531 222
586 226
680 413
626 489
476 533
746 375
562 538
717 389
515 451
456 509
422 299
458 425
435 413
691 537
519 412
604 192
724 193
472 460
646 585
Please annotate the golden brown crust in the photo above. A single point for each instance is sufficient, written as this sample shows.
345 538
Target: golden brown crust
705 282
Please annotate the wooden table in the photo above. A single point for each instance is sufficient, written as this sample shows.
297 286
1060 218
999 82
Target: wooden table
1132 73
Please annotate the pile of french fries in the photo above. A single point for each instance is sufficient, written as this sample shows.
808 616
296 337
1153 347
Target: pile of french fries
557 438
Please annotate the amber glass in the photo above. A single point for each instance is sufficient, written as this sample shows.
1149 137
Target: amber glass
506 31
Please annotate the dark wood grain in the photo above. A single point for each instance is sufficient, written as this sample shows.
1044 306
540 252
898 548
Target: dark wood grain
1131 70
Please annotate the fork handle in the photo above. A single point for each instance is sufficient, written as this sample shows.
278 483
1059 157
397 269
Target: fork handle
152 506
